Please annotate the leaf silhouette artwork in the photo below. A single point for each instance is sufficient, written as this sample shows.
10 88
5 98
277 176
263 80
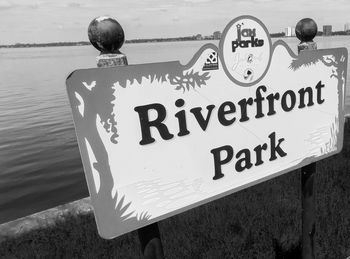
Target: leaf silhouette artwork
161 138
304 60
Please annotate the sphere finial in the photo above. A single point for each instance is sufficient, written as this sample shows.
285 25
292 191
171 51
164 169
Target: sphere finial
106 34
306 30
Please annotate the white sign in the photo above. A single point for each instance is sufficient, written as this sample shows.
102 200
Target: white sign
158 139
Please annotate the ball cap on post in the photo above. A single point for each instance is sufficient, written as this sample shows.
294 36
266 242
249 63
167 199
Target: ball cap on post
306 30
107 35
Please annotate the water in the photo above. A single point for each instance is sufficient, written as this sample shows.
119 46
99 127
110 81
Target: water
40 165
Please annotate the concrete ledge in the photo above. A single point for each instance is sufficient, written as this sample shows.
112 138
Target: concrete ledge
44 218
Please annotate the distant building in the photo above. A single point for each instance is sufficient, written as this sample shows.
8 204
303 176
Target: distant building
289 32
211 37
347 27
327 30
217 35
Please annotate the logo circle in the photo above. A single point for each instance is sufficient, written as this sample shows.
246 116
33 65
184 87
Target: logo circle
245 50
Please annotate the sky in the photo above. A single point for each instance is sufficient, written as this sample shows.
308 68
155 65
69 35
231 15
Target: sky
41 21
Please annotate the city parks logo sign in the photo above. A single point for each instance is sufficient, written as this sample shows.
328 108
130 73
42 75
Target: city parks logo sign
245 49
158 139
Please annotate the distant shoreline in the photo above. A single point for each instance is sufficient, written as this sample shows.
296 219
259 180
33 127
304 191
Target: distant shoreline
155 40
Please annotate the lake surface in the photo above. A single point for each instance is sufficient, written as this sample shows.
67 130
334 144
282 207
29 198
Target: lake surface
40 164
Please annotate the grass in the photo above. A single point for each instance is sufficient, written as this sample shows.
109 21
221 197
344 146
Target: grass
263 221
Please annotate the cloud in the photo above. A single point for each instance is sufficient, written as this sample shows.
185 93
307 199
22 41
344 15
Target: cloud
265 1
160 8
74 5
6 5
176 19
33 6
198 1
156 9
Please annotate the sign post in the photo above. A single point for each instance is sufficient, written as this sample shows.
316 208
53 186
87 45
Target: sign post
158 139
107 36
306 30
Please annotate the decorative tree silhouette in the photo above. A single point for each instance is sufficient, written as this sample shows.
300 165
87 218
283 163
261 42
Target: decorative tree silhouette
338 60
98 102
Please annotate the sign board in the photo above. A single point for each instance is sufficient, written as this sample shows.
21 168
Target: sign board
158 139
